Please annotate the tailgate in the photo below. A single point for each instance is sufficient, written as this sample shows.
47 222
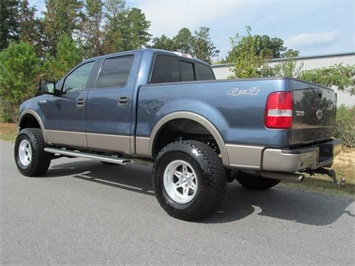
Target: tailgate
314 113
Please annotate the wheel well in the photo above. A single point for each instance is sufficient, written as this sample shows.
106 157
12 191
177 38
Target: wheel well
29 121
183 129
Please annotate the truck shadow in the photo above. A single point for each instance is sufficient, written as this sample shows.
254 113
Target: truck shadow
280 202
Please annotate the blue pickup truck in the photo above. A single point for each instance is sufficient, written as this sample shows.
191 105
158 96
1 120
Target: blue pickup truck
199 133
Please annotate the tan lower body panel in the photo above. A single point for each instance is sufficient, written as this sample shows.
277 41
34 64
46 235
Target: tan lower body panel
116 143
143 147
102 142
67 138
242 156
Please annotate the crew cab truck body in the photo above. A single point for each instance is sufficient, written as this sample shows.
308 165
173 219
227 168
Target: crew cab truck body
199 132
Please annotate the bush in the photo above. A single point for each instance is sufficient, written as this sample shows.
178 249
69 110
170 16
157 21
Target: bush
345 125
8 112
19 70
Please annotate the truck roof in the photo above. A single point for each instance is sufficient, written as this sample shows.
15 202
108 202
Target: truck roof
153 51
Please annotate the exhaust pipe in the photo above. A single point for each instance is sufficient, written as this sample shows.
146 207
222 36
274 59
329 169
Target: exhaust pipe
297 178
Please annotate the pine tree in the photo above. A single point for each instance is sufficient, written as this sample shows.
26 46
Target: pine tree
67 56
203 47
92 32
125 28
62 18
8 22
20 69
30 28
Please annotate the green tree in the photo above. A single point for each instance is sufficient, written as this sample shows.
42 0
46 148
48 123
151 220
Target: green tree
198 45
163 42
30 28
92 32
125 28
19 76
263 46
67 56
338 75
203 47
115 12
135 31
183 41
246 60
62 18
8 22
250 56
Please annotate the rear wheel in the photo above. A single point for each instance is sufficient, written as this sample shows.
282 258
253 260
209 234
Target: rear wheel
30 157
255 182
189 180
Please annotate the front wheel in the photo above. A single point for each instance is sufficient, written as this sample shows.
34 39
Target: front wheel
189 180
30 157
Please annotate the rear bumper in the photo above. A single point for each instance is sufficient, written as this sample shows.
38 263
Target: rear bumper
292 160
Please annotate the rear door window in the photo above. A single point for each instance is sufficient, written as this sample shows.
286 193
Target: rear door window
115 72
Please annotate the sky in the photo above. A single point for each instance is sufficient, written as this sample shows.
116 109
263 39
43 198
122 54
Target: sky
314 27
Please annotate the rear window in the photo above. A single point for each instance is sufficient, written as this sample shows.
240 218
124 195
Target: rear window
115 72
173 69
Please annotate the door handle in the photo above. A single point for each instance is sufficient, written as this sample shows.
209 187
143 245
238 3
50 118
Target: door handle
124 100
80 102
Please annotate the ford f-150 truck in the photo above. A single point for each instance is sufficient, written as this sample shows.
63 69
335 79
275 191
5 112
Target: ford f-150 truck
199 132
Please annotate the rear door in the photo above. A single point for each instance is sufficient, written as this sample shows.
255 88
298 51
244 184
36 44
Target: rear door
314 113
110 104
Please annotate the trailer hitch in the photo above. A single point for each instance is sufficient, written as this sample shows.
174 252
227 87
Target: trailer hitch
329 172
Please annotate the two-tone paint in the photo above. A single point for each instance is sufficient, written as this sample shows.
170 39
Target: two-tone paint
129 119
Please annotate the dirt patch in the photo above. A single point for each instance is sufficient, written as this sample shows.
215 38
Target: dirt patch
344 164
8 131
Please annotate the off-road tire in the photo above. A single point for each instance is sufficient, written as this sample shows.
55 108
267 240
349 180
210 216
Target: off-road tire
255 182
30 157
189 180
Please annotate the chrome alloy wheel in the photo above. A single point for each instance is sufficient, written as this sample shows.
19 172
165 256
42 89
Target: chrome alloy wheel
180 181
25 153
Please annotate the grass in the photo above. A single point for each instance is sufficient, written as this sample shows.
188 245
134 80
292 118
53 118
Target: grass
324 186
344 166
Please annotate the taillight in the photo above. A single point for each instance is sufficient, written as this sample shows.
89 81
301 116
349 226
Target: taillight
278 110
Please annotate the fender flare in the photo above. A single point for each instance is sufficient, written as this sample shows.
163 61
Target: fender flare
194 117
38 119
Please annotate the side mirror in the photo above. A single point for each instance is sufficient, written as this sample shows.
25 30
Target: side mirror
48 87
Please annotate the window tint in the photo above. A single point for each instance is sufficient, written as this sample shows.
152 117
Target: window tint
187 71
78 79
115 72
203 72
166 69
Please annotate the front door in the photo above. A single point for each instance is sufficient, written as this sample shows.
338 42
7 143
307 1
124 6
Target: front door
65 115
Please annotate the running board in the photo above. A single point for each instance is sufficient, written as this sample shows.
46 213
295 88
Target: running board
102 158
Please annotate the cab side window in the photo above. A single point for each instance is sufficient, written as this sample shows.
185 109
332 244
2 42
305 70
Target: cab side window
78 79
203 72
166 69
187 71
115 72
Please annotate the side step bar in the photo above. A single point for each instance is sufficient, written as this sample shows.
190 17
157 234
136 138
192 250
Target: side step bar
103 158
